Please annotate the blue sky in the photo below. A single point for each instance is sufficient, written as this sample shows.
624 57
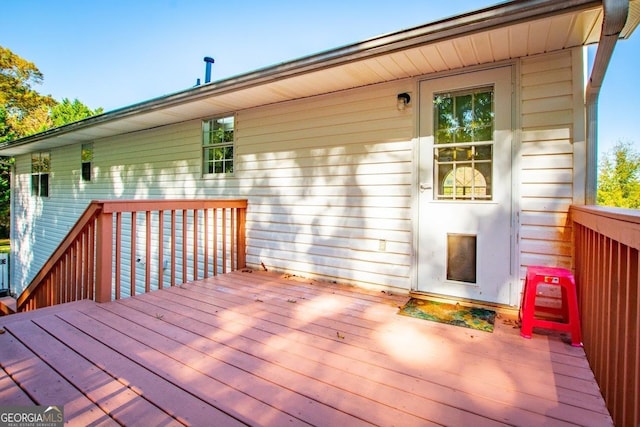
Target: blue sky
114 53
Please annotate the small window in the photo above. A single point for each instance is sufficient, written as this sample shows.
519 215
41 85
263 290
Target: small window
40 169
86 159
217 145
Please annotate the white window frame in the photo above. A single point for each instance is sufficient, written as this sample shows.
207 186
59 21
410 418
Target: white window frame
215 145
40 174
86 162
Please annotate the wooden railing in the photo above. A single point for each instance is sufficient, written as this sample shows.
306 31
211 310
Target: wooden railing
122 247
606 258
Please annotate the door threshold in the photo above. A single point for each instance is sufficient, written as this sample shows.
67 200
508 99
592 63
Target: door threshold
507 311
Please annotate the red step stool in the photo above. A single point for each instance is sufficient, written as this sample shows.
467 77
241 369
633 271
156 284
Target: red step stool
551 277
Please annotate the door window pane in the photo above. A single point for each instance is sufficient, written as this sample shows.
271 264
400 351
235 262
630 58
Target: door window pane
463 133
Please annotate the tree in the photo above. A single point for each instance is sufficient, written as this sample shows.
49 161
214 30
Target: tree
69 112
619 177
23 112
5 192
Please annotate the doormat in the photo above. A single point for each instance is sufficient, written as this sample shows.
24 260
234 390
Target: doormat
451 314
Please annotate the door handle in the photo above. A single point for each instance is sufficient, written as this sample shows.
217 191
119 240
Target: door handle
424 187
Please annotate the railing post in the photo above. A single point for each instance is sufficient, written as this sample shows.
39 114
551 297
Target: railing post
104 244
241 239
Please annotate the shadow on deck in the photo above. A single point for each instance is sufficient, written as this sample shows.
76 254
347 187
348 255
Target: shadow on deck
271 350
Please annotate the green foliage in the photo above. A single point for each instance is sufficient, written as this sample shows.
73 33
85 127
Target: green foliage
24 111
16 78
5 179
69 112
5 131
619 177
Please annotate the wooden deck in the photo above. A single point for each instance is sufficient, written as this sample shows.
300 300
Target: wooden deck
270 350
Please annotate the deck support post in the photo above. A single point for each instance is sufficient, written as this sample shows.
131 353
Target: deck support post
104 238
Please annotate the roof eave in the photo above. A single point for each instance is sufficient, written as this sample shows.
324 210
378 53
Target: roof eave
460 25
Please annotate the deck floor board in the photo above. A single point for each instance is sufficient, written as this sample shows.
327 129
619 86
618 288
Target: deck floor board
267 349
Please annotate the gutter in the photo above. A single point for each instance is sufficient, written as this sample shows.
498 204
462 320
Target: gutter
507 13
615 16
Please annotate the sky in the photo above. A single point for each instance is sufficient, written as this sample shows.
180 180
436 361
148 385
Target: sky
114 53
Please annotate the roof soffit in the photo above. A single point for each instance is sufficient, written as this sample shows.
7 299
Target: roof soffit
420 51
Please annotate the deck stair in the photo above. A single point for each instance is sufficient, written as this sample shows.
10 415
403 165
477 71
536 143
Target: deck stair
7 305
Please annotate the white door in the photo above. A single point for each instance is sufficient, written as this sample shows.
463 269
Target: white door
465 208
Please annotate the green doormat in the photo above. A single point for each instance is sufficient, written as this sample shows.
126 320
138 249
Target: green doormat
452 314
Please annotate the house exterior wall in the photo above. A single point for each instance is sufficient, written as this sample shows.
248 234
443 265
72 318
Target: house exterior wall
330 179
551 155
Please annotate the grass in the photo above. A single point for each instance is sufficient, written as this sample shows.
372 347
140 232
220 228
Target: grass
5 245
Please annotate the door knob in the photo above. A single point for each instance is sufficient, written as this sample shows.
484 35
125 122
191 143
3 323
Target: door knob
424 186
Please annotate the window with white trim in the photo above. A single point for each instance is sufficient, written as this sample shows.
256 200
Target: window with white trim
40 170
86 158
217 145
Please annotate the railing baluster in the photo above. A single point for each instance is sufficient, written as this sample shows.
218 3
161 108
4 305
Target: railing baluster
77 272
147 259
206 242
134 242
91 259
195 244
118 256
241 239
83 264
184 245
68 275
52 291
64 276
224 240
215 241
173 247
160 249
232 237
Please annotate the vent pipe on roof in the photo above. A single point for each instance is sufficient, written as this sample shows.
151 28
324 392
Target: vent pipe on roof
615 16
207 73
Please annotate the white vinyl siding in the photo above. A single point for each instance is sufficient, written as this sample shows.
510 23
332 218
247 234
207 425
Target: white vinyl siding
550 130
163 163
328 179
40 224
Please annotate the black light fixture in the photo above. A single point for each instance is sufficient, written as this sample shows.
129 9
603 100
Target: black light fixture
403 100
